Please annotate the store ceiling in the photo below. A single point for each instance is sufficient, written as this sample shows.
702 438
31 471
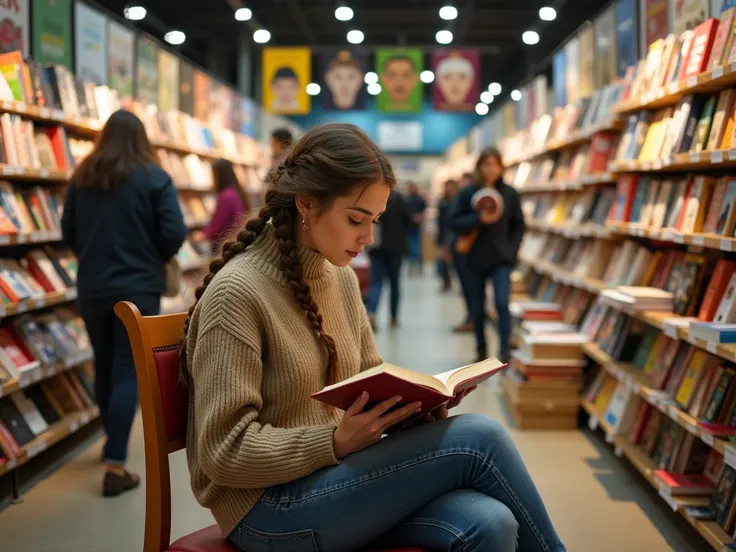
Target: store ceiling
494 26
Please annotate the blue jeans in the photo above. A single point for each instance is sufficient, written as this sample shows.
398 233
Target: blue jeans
385 265
457 484
501 277
415 248
116 386
460 263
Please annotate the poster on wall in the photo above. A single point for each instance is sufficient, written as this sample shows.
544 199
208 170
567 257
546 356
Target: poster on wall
52 31
186 88
15 27
398 73
201 96
627 52
247 117
605 48
120 54
342 79
168 82
147 71
572 59
559 78
587 55
90 45
286 73
688 14
456 79
657 21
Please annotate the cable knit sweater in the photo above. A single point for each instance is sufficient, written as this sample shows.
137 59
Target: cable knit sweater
254 360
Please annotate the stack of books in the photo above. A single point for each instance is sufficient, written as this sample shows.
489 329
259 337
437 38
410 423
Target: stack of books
639 298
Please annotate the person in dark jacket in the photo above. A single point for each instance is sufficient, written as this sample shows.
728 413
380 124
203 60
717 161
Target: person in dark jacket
417 205
123 221
494 250
459 259
389 247
445 234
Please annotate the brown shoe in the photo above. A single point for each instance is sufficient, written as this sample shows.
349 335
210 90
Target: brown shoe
115 485
465 327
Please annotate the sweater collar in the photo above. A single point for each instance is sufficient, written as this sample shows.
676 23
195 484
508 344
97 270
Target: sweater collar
314 265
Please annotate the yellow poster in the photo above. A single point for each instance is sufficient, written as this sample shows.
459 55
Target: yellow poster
286 74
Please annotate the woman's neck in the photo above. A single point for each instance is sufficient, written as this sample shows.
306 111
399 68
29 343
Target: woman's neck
303 238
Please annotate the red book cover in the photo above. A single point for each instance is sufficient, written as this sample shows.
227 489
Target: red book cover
703 38
625 192
637 428
8 444
716 288
685 199
601 149
685 483
15 348
58 139
541 316
720 42
39 275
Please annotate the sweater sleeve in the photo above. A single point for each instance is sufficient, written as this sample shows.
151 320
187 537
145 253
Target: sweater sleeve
236 450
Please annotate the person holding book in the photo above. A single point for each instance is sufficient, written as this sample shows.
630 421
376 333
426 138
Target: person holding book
232 202
123 221
491 238
444 234
459 259
278 317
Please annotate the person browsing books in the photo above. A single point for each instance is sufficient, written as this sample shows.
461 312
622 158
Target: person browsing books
492 245
123 221
232 202
278 317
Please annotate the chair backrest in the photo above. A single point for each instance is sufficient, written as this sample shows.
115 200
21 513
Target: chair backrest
154 341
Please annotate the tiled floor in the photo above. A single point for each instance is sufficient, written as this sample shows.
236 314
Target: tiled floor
596 502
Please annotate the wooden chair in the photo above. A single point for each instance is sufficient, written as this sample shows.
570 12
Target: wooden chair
164 402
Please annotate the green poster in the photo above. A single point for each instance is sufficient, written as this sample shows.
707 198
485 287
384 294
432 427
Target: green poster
52 31
147 72
398 73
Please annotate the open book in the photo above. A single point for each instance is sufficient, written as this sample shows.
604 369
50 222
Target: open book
386 381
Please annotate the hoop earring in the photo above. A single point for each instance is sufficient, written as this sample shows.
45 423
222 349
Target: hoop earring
304 222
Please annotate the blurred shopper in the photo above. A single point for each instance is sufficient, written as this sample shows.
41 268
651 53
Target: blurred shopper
493 247
281 139
460 260
387 253
445 237
122 219
232 203
417 205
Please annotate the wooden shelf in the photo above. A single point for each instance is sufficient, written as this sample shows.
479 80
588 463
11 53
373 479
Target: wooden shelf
588 230
33 237
18 173
43 372
692 161
569 185
568 278
49 300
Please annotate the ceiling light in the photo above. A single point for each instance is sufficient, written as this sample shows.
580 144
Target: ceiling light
547 14
516 95
135 13
448 13
486 97
243 14
355 37
261 36
374 89
313 89
481 109
343 13
444 37
370 78
175 37
494 88
427 76
530 37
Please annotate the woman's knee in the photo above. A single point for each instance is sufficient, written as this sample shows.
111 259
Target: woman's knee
498 529
480 427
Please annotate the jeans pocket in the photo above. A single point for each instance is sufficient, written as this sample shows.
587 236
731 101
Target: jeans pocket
253 540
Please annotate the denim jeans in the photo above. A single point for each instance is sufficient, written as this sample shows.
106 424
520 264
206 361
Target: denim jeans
452 485
385 265
415 250
501 278
116 386
460 263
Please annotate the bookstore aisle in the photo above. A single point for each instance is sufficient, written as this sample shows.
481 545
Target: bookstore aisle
596 502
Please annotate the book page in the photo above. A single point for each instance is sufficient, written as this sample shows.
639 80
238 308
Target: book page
453 378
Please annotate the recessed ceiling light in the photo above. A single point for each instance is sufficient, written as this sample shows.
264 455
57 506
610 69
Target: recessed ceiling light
343 13
313 89
374 89
494 88
444 37
370 78
243 14
530 37
448 13
355 37
261 36
175 37
427 76
547 14
481 109
135 13
486 97
516 95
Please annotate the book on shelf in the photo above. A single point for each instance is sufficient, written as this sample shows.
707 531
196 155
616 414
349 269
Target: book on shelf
713 332
677 484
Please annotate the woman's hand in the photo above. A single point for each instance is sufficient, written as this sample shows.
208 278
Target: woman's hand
488 216
359 429
442 412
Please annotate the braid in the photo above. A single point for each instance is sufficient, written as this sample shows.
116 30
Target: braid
230 249
283 223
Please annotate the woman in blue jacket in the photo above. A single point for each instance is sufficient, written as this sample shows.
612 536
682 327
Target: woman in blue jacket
123 221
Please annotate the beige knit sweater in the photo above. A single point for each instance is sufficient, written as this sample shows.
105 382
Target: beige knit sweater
254 361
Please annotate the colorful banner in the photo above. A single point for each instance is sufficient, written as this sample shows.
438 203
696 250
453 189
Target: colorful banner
342 74
186 88
15 27
120 57
90 44
147 71
688 14
456 79
657 21
604 70
201 96
52 31
559 78
627 52
398 72
286 73
168 82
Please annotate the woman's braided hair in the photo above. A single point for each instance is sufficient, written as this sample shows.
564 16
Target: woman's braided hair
329 161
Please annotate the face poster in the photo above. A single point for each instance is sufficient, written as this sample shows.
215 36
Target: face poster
15 26
456 79
398 73
286 73
342 75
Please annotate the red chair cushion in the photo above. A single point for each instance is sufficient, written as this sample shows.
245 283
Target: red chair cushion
174 398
